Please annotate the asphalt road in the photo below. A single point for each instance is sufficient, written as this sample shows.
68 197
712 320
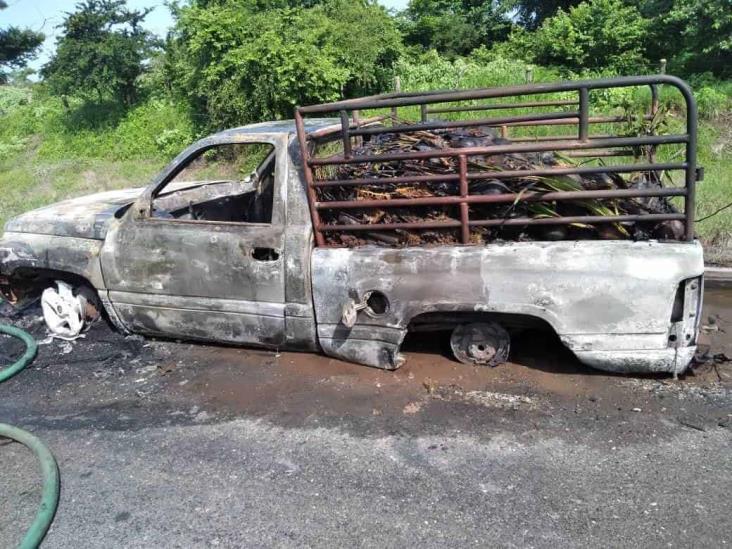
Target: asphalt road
167 444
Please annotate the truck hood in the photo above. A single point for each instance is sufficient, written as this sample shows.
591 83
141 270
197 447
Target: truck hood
84 217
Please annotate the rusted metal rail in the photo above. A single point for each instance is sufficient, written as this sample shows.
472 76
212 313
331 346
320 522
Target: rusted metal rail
581 144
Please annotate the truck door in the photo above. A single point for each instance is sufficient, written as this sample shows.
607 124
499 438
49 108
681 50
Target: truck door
199 255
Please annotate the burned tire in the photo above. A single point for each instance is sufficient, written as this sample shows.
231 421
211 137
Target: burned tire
480 343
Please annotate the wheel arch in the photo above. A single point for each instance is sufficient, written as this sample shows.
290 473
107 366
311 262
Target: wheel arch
438 320
27 283
22 253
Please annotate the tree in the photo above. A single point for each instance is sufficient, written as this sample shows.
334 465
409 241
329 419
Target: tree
257 5
101 52
237 63
694 35
532 13
17 47
597 34
454 27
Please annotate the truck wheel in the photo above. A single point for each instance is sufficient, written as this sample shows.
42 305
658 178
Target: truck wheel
480 343
67 310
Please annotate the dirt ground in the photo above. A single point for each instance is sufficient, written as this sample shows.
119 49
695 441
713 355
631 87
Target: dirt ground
101 401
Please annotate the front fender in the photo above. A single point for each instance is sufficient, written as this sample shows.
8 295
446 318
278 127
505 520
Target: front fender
78 256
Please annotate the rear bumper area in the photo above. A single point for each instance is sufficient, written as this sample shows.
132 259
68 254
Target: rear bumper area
670 351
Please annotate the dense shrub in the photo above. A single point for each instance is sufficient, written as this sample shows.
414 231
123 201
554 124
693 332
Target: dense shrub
596 34
11 98
236 64
694 35
454 27
712 102
482 69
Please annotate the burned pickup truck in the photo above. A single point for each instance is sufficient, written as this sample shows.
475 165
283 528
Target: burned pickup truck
365 219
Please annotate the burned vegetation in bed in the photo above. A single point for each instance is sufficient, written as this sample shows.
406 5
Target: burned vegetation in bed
521 203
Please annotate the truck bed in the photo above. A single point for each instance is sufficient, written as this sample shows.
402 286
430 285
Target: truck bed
610 302
541 173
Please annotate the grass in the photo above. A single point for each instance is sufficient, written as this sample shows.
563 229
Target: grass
50 151
715 155
28 182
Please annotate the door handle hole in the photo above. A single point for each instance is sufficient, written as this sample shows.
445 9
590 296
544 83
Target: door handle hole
265 254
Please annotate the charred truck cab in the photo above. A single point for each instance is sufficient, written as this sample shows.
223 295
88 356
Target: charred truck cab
341 234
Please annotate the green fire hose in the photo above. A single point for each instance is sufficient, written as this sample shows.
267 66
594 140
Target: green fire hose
49 468
31 348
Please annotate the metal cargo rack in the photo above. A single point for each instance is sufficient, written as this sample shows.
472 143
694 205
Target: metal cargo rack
579 143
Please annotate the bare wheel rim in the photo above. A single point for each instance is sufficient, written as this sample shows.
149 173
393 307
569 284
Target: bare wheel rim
480 343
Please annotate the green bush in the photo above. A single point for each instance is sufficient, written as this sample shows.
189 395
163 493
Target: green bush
13 147
157 128
598 34
712 102
11 98
235 63
454 27
484 68
694 35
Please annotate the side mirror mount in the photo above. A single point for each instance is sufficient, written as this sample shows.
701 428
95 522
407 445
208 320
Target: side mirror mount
142 208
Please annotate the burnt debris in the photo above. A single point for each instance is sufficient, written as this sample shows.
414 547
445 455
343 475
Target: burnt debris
503 205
